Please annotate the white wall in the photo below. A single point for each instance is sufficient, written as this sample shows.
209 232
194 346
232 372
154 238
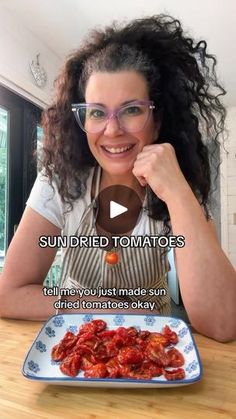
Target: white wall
18 47
231 184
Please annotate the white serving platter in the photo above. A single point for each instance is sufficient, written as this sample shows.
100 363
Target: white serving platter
38 365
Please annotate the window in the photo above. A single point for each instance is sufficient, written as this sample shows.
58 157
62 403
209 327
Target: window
4 119
19 124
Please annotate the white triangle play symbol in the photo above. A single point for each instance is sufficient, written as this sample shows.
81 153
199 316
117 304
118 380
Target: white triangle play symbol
116 209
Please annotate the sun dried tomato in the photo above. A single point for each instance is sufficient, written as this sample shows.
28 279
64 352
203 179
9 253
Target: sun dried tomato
106 334
86 363
130 355
83 349
89 339
69 340
156 353
158 338
123 337
141 343
71 365
113 368
87 328
101 354
135 373
131 331
153 368
85 337
112 349
175 357
99 325
121 353
177 374
96 371
94 326
58 353
143 334
170 335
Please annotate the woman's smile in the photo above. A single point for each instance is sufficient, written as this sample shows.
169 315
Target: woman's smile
118 150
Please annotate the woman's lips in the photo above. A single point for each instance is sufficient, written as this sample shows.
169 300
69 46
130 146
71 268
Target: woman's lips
119 150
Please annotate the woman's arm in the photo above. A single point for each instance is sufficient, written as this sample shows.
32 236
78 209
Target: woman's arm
207 278
25 268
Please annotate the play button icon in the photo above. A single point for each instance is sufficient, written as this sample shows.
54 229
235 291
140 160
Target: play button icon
116 209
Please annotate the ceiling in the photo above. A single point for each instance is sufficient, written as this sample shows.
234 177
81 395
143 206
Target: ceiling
61 24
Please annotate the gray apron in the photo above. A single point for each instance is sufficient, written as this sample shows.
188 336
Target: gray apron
146 267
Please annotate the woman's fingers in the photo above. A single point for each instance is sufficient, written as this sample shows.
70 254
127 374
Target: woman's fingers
157 166
141 180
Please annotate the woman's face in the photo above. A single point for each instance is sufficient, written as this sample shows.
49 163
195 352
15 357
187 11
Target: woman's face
113 90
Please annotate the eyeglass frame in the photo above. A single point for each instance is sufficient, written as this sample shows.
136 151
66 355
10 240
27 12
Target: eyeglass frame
111 113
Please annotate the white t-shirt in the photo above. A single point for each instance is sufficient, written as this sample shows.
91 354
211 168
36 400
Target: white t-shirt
48 203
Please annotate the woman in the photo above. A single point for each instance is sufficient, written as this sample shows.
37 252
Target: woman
134 106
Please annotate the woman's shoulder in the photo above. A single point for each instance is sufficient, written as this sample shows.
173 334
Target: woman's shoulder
45 197
52 185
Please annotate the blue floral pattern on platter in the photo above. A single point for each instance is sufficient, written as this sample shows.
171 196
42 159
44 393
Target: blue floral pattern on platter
33 366
192 366
38 364
87 318
174 323
40 346
183 332
149 320
50 332
72 329
188 348
119 319
58 321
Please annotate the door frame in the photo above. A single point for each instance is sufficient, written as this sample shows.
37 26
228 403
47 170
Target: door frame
22 170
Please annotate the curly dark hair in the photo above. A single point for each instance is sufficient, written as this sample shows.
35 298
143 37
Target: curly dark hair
182 82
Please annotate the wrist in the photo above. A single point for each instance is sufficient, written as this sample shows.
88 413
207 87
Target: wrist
178 195
181 201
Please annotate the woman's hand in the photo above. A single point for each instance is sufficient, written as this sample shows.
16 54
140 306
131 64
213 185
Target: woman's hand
158 167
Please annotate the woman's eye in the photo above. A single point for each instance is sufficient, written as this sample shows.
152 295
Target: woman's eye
132 110
96 113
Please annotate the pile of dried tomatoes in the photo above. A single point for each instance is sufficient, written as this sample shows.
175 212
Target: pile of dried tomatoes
120 353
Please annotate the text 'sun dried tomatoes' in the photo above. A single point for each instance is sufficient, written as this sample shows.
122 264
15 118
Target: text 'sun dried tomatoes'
119 353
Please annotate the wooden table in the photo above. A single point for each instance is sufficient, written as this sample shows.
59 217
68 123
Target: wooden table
213 397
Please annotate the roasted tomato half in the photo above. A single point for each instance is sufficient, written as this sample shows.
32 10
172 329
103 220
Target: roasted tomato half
71 365
177 374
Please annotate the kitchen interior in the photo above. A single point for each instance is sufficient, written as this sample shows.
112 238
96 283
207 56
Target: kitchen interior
35 38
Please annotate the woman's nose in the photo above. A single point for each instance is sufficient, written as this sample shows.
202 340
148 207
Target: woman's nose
113 127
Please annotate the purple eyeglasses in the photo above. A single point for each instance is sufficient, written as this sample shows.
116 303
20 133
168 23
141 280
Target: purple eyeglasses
131 117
